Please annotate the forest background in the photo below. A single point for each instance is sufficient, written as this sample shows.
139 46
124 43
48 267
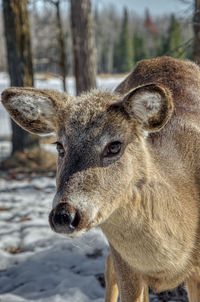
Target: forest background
121 37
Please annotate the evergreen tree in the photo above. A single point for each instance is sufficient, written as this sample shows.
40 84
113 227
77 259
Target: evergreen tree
162 46
116 57
124 51
173 45
139 47
196 26
106 57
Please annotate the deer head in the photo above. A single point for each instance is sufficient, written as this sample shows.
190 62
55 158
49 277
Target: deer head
100 143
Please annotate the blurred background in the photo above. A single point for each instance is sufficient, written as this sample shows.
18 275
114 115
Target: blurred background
70 46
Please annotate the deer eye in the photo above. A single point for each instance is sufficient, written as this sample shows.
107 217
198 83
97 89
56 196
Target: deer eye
60 149
112 149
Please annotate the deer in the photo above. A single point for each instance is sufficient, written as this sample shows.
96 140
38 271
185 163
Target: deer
129 163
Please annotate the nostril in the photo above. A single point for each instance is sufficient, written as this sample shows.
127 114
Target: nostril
61 219
75 222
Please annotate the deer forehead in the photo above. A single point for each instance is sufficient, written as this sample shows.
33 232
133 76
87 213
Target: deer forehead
90 105
89 116
99 128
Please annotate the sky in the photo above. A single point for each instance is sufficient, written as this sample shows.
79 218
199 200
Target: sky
156 7
182 8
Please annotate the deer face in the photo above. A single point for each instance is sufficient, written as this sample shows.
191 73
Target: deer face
100 139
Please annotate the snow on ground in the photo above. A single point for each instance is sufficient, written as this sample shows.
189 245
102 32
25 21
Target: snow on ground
46 266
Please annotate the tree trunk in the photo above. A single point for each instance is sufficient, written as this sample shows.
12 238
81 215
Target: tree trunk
83 45
196 27
19 57
61 43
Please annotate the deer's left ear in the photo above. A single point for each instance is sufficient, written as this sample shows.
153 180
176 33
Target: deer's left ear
151 105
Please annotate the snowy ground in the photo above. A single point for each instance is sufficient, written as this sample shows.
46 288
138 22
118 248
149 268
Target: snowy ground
37 265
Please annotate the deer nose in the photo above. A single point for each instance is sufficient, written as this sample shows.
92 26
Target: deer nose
64 219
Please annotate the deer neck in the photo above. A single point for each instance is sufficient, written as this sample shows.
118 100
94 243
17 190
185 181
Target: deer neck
153 221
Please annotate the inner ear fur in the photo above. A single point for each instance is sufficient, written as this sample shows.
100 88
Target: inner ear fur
34 110
151 105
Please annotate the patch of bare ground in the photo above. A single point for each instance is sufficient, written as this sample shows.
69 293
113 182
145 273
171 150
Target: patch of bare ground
32 160
13 250
177 295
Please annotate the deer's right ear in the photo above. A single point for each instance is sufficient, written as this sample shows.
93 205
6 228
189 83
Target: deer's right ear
34 110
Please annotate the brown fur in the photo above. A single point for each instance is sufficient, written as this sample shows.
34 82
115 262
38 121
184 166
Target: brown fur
146 200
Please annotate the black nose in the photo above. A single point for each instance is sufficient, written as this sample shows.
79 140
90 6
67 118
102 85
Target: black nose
63 219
